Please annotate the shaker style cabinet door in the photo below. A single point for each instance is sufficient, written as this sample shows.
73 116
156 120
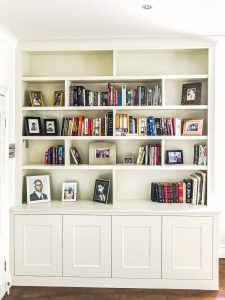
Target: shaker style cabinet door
136 246
87 246
38 245
187 247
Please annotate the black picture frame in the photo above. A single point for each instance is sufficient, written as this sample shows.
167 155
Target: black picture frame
50 130
33 126
100 195
174 157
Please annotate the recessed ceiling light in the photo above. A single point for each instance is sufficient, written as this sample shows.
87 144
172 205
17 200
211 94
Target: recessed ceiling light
146 6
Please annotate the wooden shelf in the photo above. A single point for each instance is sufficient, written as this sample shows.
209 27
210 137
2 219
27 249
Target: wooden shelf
114 167
116 108
128 137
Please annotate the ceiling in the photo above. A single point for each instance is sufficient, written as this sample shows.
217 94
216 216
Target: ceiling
69 19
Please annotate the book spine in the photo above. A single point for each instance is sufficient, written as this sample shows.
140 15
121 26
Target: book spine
124 94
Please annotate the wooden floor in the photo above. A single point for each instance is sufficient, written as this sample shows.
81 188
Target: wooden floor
50 293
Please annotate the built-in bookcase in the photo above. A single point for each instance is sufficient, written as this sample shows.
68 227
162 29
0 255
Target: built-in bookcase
169 68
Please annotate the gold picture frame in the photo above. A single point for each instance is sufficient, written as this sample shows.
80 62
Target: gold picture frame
36 98
58 98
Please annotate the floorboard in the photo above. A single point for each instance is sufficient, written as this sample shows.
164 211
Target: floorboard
59 293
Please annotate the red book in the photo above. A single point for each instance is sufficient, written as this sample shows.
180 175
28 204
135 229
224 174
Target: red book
180 192
80 125
89 127
165 186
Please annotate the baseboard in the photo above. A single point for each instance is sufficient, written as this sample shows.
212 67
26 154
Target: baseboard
222 251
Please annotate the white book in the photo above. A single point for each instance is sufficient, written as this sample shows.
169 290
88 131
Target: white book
194 189
177 126
124 95
204 186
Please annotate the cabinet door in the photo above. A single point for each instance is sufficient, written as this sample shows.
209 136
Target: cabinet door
187 247
87 246
38 245
136 246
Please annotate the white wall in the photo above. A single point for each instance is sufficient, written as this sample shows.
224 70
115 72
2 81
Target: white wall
7 80
220 138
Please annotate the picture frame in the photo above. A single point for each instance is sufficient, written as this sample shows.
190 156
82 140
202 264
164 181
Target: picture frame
38 189
33 126
69 192
102 153
101 191
191 93
36 98
128 160
50 127
58 98
192 127
174 157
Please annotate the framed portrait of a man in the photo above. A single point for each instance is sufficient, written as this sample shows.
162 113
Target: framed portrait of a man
101 191
33 126
38 189
50 127
58 98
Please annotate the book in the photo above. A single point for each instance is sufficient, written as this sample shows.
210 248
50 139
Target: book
75 155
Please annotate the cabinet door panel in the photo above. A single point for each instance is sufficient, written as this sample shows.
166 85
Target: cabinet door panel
38 245
136 247
187 247
87 246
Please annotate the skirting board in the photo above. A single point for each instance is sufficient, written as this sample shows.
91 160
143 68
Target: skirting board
115 283
222 251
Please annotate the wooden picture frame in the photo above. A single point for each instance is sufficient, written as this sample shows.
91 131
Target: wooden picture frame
69 192
38 189
33 126
58 98
174 157
50 127
36 98
192 127
101 191
191 93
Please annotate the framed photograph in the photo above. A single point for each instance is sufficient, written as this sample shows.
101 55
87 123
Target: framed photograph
36 98
101 191
33 126
193 127
174 157
58 98
69 191
50 127
101 153
191 93
38 189
128 160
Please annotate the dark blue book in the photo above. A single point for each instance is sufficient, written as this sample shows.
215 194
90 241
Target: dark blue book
119 98
152 125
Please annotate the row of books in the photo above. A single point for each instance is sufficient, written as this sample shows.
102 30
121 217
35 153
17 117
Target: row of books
147 126
75 156
54 155
200 155
149 155
140 96
82 126
192 190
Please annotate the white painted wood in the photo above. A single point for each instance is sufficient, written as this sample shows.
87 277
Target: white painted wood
113 167
3 205
136 247
87 246
187 248
38 245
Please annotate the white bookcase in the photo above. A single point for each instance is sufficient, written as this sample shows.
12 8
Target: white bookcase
171 67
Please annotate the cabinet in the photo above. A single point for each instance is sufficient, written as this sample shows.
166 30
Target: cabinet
38 245
87 246
136 246
187 247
